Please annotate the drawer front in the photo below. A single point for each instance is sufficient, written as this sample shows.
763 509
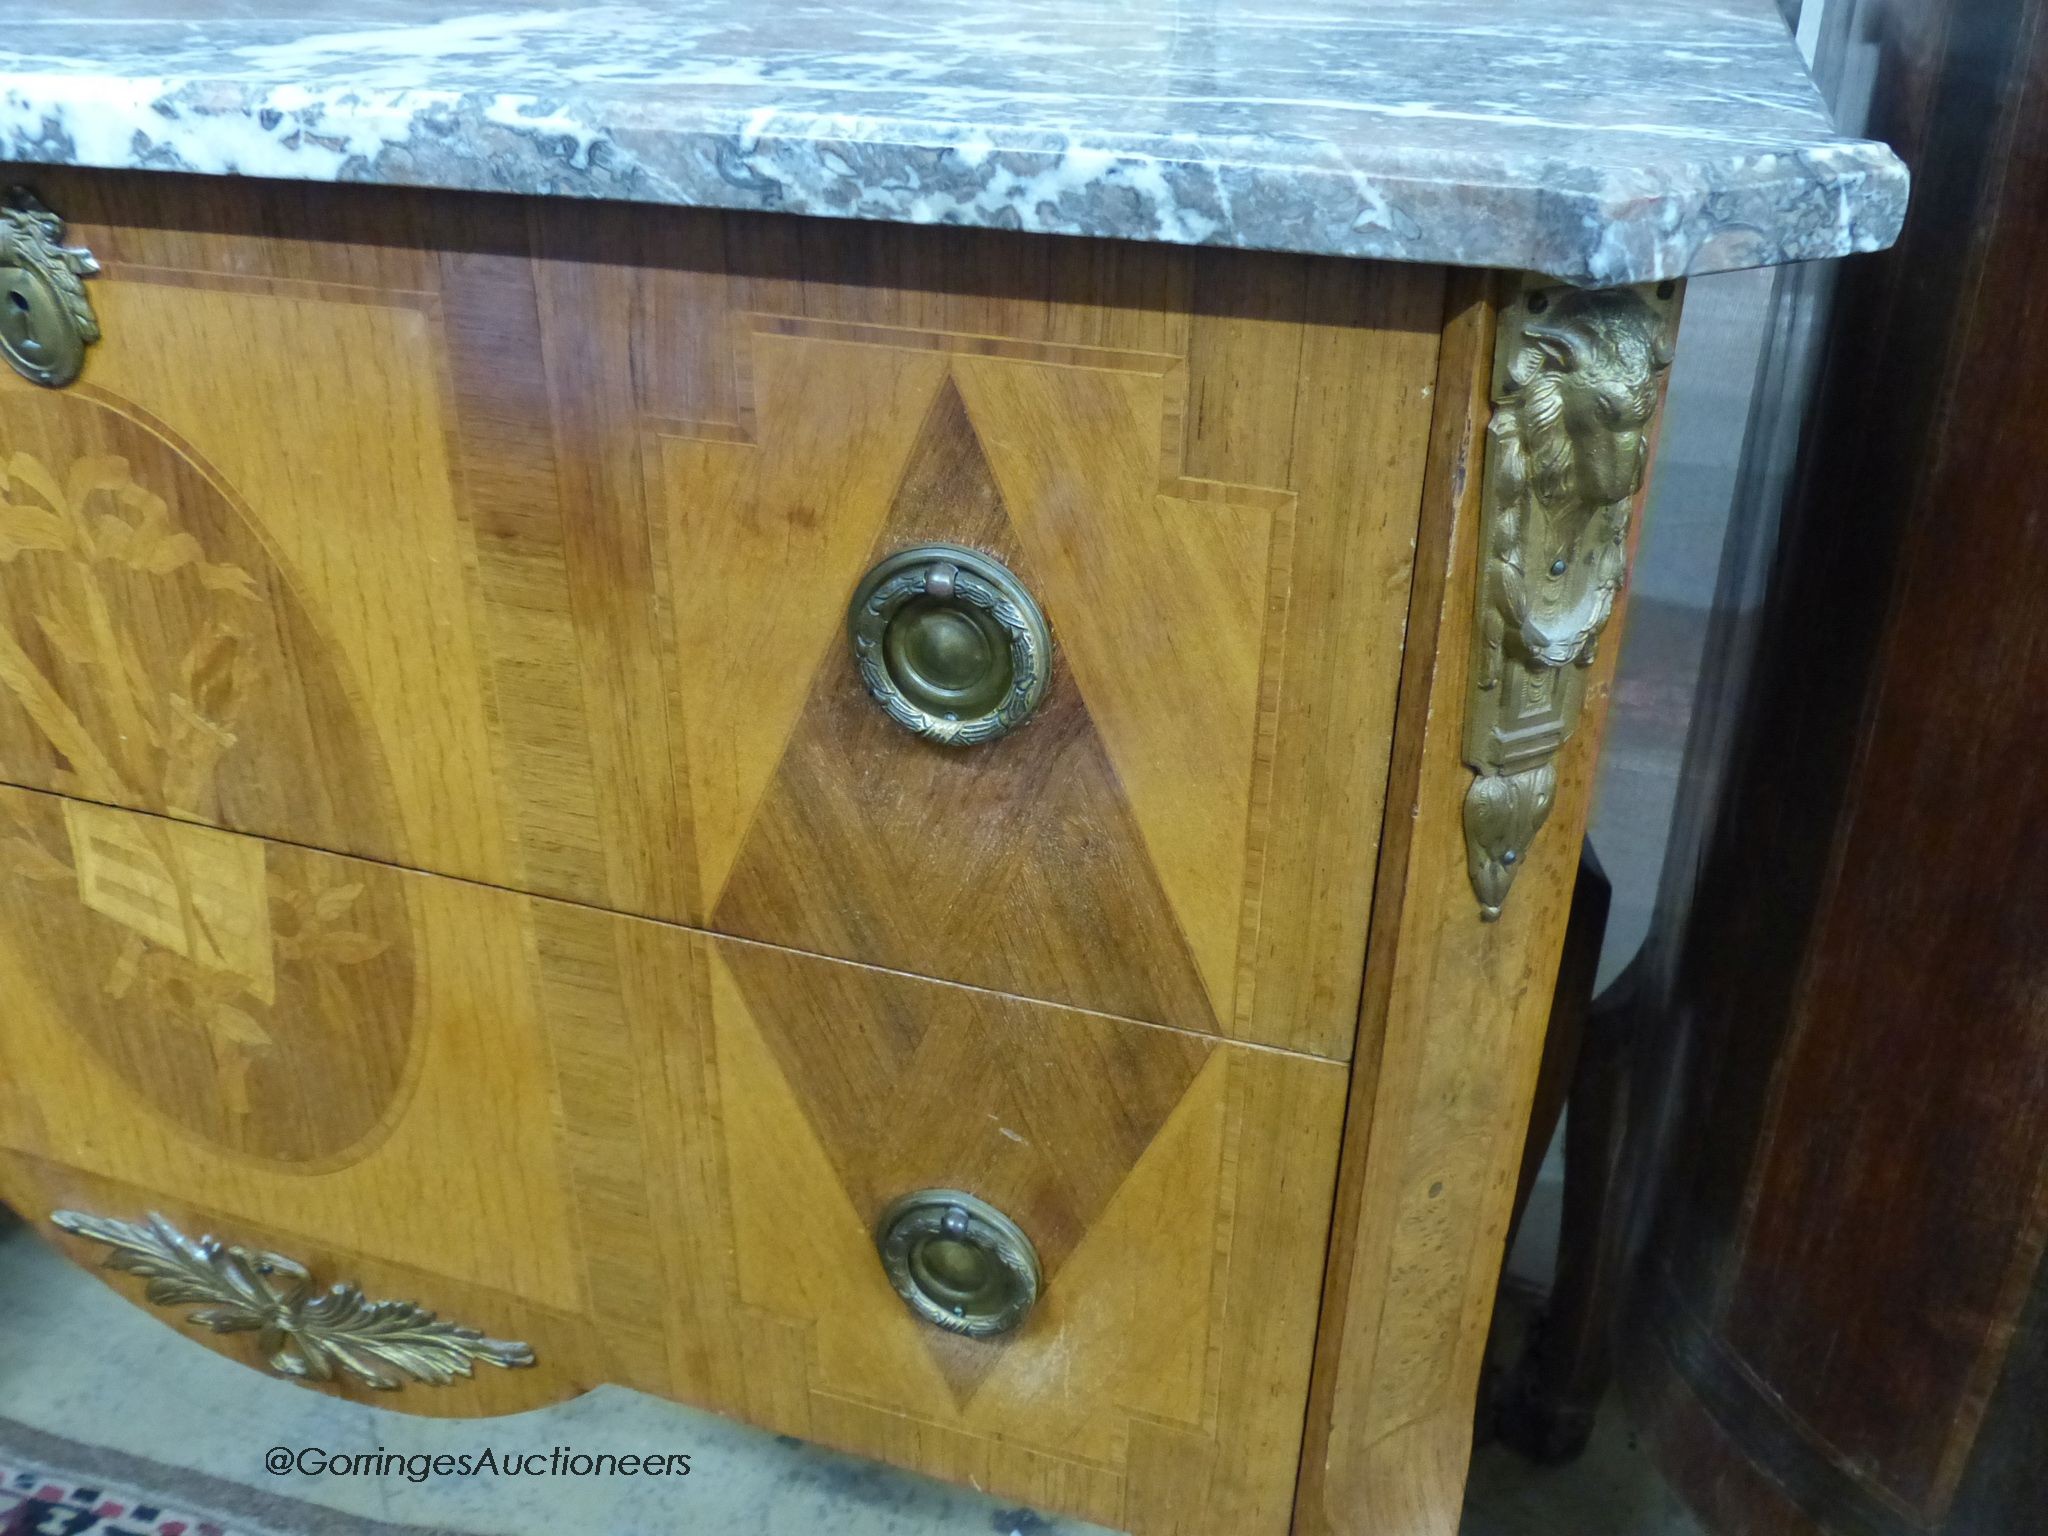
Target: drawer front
515 542
658 1157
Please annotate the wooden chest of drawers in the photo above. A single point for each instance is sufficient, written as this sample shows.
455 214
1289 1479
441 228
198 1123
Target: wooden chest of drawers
455 847
925 837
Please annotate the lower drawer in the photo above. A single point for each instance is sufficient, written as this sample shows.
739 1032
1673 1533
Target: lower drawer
660 1157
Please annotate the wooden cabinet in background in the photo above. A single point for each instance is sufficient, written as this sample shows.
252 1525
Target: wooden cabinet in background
1841 1323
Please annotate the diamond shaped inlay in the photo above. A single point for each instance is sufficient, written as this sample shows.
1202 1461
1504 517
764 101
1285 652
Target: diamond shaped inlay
908 1085
1016 864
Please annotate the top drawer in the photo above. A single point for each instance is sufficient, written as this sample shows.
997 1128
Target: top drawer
515 542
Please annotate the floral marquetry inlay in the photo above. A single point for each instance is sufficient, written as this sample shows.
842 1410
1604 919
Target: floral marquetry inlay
169 731
202 951
220 978
153 653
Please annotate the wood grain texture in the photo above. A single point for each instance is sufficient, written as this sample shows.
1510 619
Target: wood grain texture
546 518
1450 1039
663 1153
158 650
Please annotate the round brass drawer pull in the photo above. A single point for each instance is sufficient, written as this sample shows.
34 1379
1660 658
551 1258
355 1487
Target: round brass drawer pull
949 643
959 1262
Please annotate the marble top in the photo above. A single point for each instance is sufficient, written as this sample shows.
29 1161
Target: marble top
1602 141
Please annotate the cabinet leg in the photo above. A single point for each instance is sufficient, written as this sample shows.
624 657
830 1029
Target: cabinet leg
1545 1406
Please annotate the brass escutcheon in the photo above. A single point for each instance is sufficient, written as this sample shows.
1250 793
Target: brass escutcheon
949 643
46 321
960 1263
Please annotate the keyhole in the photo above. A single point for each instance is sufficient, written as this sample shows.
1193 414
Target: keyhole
18 322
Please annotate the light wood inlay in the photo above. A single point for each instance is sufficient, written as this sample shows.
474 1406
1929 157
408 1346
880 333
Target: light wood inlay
155 649
240 992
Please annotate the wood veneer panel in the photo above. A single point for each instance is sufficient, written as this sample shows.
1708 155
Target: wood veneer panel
565 503
662 1153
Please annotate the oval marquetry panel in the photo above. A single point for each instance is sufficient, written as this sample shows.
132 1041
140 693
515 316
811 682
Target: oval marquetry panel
153 654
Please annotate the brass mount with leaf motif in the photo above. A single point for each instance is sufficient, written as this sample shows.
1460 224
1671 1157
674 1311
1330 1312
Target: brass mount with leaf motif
46 321
1578 377
313 1335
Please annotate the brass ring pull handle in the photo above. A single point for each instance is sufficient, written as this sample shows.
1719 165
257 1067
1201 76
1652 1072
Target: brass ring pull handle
959 1262
46 321
950 644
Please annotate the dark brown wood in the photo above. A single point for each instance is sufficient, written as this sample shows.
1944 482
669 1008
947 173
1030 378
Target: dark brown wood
1834 1325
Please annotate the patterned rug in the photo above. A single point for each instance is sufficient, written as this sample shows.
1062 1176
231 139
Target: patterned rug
38 1503
56 1487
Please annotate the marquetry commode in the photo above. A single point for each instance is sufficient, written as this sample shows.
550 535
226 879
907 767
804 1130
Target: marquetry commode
948 840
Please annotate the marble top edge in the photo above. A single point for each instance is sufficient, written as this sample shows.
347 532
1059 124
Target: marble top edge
1599 141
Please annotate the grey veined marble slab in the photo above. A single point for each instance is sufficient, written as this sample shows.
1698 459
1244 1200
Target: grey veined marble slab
1605 141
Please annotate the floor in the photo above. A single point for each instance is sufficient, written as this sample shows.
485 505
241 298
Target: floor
1613 1490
